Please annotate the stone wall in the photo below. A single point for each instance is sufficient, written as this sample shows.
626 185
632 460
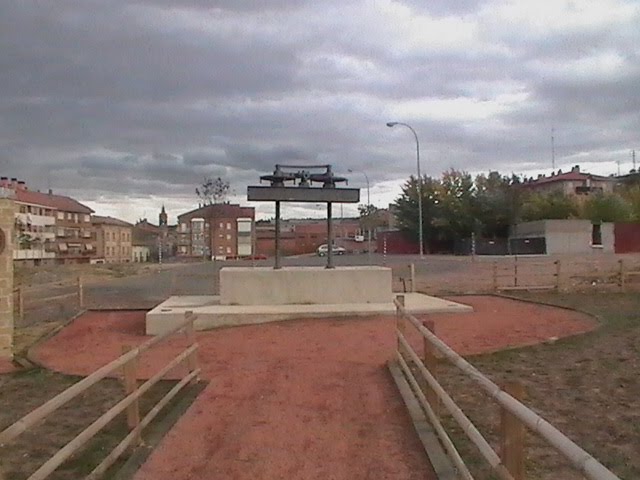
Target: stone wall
7 214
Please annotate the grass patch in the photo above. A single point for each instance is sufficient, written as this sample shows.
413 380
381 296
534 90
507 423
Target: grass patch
24 391
587 386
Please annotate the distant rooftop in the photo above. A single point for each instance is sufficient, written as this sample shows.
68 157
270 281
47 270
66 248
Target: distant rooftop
574 175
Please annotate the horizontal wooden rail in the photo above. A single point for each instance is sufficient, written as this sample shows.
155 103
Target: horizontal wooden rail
70 448
134 434
62 398
49 299
458 415
579 458
527 287
447 443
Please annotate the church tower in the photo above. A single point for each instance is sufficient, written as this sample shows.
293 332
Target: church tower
163 217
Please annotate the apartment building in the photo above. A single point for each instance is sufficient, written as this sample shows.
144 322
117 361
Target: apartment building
220 231
50 228
113 239
573 183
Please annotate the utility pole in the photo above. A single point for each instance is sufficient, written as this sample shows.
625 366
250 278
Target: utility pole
553 149
633 158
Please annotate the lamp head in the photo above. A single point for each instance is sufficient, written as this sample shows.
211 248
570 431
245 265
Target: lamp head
391 124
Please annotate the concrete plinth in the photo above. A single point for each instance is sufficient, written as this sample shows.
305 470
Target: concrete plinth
211 314
304 285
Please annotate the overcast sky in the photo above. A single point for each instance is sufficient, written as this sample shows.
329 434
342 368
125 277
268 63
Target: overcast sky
128 105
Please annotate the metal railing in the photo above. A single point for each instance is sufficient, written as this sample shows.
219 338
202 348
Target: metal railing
515 415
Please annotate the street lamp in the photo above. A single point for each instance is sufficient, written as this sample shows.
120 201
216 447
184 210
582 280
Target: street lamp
420 234
368 212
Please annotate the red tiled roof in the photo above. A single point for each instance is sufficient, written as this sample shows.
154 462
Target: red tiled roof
567 177
57 202
100 220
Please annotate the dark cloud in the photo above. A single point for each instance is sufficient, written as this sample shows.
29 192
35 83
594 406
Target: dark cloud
144 98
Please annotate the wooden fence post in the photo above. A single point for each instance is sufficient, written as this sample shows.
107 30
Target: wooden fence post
20 293
413 277
515 271
130 381
190 332
430 362
399 322
558 270
512 435
495 276
622 274
80 292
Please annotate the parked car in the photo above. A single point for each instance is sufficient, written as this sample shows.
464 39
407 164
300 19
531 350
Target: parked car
323 250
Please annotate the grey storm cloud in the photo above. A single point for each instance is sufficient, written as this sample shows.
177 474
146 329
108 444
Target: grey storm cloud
146 97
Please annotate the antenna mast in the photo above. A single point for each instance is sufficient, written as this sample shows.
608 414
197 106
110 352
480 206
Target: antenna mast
553 149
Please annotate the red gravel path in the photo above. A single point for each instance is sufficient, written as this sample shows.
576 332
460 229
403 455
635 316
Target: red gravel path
6 366
307 399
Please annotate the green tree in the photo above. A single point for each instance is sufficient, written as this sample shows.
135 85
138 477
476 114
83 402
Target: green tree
606 207
498 204
406 206
631 194
549 206
456 214
370 217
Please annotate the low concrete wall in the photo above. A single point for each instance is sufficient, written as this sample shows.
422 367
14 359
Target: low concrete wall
574 236
304 285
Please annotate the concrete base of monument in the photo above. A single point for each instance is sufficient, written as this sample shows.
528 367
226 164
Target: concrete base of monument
211 314
304 285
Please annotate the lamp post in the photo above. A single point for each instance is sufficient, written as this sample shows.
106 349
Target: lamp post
420 233
368 213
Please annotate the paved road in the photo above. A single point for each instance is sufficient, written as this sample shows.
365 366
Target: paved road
201 278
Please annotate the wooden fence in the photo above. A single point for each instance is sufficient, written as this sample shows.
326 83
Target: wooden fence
39 296
127 363
504 274
508 464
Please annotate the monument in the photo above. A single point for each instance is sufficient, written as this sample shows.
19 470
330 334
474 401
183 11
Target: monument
265 294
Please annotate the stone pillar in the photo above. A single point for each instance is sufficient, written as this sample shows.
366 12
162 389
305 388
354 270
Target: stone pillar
7 219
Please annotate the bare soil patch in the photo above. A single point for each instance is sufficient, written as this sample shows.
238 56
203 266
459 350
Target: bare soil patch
300 399
587 386
23 391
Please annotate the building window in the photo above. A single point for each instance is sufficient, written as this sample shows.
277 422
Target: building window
596 234
228 236
228 226
228 250
87 218
60 215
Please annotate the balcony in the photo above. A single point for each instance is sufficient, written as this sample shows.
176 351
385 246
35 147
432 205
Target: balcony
35 220
33 254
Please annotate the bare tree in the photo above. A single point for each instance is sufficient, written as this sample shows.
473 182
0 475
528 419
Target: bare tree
213 190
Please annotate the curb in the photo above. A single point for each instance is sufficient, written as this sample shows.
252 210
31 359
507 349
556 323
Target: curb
439 460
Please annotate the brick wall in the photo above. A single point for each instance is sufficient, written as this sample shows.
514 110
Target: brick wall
7 211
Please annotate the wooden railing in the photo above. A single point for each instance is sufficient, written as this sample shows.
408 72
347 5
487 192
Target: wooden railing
509 464
127 362
514 280
31 298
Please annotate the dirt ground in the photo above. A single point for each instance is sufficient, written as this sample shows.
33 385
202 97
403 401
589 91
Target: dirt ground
302 399
23 391
587 386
